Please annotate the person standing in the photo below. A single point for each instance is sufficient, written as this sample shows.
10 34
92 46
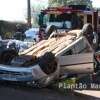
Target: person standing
19 34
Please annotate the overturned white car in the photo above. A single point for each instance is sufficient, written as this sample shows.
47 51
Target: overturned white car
66 53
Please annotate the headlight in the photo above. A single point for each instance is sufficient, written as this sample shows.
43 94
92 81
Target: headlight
37 72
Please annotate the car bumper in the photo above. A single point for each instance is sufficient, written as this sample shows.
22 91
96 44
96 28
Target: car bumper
9 73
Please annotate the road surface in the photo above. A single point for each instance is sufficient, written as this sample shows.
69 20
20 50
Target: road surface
16 92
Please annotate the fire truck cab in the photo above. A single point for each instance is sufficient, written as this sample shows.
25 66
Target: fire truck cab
68 18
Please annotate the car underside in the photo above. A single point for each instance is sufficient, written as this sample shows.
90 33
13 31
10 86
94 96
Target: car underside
48 60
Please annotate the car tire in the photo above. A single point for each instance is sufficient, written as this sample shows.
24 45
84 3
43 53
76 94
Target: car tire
7 55
87 28
49 30
50 67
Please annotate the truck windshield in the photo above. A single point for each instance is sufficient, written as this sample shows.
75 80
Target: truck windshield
65 20
60 17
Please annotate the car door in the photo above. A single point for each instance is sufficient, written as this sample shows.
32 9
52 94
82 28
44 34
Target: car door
79 63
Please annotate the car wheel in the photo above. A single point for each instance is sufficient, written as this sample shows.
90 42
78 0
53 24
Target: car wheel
49 30
8 55
87 28
49 66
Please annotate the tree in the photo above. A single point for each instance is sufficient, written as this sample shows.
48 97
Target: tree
36 9
70 2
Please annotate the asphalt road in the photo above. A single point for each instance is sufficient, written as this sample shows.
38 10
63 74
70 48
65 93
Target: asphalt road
16 92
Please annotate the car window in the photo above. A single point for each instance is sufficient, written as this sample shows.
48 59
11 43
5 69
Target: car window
69 52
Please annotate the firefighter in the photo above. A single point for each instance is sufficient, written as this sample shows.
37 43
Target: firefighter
41 34
19 34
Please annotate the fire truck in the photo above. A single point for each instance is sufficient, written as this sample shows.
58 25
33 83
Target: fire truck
67 18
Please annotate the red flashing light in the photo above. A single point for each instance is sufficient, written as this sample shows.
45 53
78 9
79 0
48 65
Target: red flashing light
60 10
